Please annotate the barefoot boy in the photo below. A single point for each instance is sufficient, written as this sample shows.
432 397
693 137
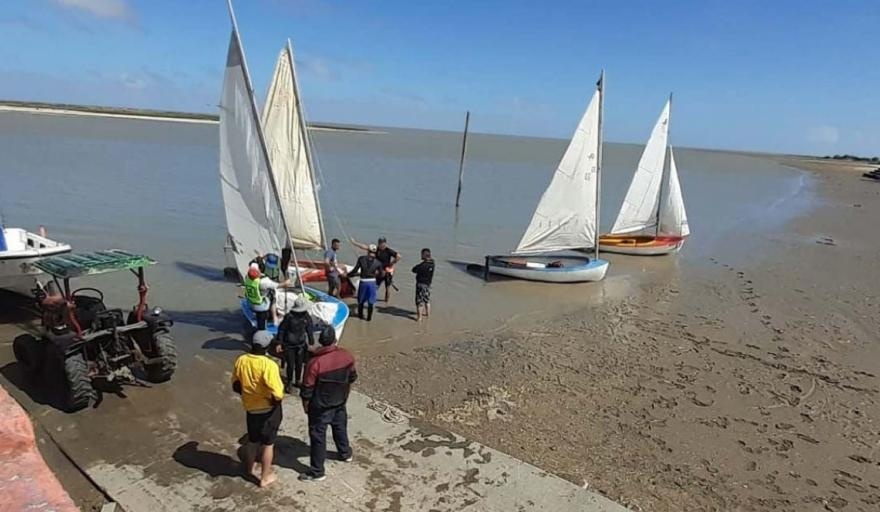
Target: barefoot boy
257 379
424 272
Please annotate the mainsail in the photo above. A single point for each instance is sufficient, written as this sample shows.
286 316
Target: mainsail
253 218
639 209
673 219
566 215
287 141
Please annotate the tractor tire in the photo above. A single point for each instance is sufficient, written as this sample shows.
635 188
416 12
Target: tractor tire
30 353
80 392
167 351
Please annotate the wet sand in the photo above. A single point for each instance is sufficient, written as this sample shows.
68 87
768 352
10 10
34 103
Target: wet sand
746 381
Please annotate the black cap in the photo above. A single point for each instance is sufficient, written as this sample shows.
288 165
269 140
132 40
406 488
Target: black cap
328 336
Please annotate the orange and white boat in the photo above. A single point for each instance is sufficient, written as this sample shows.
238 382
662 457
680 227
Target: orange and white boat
641 245
651 223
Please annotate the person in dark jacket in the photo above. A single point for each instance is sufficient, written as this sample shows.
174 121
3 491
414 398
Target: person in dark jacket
295 335
369 269
328 379
424 272
388 257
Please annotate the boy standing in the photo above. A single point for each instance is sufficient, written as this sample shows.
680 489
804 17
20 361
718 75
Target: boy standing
257 379
424 272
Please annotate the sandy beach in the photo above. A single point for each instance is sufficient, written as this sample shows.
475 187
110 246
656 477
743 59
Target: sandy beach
50 109
741 383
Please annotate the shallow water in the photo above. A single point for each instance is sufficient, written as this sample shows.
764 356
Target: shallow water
153 187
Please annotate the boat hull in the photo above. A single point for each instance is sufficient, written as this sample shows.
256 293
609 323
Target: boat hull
17 270
316 272
338 321
642 245
533 269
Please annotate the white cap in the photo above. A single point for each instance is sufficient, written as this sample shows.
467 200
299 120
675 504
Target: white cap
372 248
262 339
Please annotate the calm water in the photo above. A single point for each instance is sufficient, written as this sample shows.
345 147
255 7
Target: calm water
153 187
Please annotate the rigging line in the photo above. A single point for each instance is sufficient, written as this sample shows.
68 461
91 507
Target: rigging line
319 175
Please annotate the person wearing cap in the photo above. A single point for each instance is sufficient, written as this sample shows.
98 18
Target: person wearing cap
329 375
295 335
260 294
257 379
273 267
369 269
388 257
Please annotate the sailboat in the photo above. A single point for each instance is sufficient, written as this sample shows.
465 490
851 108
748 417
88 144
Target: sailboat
293 167
256 221
650 224
567 217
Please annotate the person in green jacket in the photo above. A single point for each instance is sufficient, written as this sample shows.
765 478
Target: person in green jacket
260 293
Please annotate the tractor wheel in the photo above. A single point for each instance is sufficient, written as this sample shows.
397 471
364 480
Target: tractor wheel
80 392
167 351
29 352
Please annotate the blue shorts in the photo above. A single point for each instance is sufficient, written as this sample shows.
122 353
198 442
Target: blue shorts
367 292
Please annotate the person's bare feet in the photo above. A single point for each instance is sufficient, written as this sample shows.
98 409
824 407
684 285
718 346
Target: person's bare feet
265 482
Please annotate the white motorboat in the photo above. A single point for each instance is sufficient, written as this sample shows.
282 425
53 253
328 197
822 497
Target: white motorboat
19 250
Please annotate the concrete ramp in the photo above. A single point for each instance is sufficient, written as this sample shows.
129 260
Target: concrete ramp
397 467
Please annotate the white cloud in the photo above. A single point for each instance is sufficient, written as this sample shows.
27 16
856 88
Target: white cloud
318 67
106 9
823 134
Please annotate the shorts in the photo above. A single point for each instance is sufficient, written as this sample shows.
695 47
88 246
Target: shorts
333 284
367 292
387 278
423 294
262 427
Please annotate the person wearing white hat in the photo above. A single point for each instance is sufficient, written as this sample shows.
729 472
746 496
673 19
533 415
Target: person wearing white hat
296 334
256 378
369 269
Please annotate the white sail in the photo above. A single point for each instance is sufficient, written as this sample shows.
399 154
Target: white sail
673 219
287 144
639 209
253 218
566 216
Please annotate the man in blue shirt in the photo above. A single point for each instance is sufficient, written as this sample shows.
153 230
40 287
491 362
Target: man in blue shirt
332 271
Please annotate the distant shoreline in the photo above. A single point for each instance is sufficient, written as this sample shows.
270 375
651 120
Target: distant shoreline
63 109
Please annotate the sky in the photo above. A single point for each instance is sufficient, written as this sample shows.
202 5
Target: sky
781 76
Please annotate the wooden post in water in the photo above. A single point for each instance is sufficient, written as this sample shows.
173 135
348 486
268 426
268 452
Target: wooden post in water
467 119
601 86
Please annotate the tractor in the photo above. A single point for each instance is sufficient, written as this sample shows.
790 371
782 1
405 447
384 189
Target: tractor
85 344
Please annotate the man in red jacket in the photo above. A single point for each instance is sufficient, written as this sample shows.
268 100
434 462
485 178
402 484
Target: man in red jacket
328 378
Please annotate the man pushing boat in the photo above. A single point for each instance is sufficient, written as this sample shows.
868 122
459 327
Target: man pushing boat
388 257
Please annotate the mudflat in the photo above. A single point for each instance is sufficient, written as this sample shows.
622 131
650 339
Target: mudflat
745 381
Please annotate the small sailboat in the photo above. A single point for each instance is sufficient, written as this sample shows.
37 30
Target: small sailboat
293 166
256 215
567 217
650 224
19 250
